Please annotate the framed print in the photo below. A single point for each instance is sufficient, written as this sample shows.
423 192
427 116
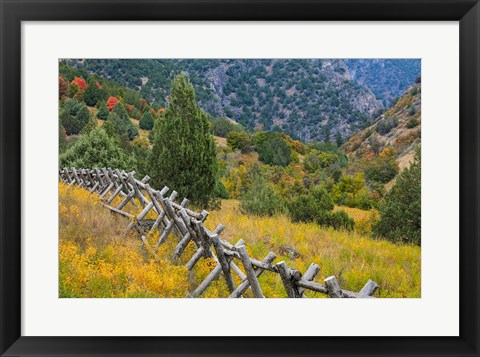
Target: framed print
289 178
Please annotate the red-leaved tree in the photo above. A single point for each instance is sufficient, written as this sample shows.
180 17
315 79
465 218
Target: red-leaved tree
80 82
111 102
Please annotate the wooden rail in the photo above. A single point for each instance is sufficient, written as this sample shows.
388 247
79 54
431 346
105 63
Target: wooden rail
187 226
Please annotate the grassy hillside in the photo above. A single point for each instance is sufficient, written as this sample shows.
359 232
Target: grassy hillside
97 260
398 128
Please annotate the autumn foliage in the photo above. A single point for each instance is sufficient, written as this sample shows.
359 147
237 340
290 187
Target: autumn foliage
111 102
80 82
62 88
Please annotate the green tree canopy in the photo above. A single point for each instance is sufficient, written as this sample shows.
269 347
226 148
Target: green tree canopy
93 93
103 111
74 123
123 125
222 126
274 150
401 214
96 149
183 155
239 140
146 123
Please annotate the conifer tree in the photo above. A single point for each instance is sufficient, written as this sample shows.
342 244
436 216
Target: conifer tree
124 125
401 214
83 116
183 155
73 124
146 123
103 111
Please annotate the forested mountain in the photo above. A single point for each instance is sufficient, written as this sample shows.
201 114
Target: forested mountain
398 130
309 99
386 78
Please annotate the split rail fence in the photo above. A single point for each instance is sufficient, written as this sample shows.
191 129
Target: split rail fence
187 226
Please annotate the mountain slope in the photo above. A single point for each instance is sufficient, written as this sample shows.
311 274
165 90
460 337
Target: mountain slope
398 128
308 98
386 78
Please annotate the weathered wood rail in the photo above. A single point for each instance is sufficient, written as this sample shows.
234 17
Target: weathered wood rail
187 226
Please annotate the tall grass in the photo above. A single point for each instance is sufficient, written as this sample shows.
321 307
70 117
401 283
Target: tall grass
98 260
352 257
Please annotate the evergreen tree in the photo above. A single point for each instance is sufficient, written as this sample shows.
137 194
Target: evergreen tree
83 116
338 139
96 149
103 111
146 123
74 124
183 155
93 94
274 150
123 124
401 210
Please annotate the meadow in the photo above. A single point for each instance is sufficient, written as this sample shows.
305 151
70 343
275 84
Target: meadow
98 260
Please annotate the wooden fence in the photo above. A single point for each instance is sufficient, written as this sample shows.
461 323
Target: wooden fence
187 226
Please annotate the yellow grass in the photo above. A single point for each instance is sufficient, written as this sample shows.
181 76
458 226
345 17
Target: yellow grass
352 257
98 260
364 220
141 133
221 142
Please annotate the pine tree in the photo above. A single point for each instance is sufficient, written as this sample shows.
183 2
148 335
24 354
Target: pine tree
338 139
401 213
146 123
73 124
93 94
83 116
183 155
103 111
125 125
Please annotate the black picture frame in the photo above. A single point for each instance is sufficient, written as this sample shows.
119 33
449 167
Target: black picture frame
467 12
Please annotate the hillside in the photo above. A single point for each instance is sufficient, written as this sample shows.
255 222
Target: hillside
386 78
96 259
308 99
398 128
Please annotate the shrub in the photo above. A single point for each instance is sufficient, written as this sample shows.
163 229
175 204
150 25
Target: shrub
412 123
96 149
239 140
221 191
222 126
381 170
386 125
401 210
262 200
274 150
338 220
347 190
307 208
303 209
317 160
411 110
